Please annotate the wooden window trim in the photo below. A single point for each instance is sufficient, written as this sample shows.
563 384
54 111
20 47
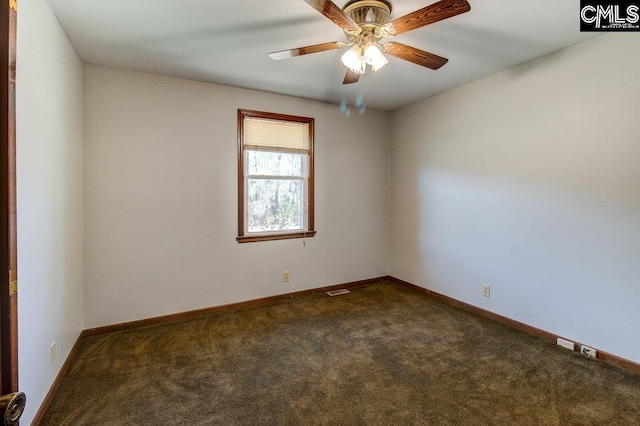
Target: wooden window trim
271 236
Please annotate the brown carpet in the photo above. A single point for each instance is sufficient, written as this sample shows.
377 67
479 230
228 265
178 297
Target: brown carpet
382 355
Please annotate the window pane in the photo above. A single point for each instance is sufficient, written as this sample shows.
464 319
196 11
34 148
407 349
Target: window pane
275 163
275 205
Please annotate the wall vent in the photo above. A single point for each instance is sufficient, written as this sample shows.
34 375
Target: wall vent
338 292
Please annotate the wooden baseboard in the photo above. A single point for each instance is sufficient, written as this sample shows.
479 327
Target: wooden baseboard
165 319
56 383
603 356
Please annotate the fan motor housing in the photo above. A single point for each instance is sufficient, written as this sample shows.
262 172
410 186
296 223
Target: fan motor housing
368 12
370 15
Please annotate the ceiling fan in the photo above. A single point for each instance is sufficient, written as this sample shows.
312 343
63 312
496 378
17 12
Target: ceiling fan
365 23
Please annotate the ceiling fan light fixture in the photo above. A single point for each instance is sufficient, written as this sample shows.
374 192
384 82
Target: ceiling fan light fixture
357 58
374 57
354 59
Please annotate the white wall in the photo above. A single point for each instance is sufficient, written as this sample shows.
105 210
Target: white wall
529 181
161 198
50 206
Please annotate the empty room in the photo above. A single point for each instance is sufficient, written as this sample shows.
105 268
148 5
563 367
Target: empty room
321 212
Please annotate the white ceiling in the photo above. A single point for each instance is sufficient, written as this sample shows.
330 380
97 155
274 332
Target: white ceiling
227 41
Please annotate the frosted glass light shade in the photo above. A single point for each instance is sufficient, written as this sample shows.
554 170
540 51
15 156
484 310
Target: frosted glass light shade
354 59
374 57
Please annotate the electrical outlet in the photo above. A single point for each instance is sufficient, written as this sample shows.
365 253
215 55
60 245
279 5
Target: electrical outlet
567 344
285 277
590 352
486 290
52 352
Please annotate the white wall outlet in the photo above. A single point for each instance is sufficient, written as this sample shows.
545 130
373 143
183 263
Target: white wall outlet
285 277
590 352
567 344
486 290
52 352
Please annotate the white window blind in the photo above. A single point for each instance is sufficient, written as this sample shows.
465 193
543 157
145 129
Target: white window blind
276 135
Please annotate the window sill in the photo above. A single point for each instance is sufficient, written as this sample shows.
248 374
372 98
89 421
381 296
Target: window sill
273 237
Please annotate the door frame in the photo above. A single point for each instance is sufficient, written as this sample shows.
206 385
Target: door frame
8 229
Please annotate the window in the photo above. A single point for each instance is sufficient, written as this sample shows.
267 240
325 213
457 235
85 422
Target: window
275 176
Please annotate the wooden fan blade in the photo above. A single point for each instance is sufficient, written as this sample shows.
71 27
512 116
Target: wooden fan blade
290 53
414 55
333 12
351 77
428 15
